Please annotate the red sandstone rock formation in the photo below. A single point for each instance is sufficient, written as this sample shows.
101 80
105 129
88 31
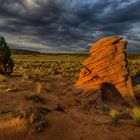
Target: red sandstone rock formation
107 64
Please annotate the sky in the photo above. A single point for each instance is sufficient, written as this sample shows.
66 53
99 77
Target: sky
70 26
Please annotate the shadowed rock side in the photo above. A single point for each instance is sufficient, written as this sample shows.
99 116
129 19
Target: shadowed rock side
107 65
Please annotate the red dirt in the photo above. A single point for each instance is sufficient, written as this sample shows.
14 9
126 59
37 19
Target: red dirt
78 121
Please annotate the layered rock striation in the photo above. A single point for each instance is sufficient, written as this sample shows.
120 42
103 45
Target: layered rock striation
107 65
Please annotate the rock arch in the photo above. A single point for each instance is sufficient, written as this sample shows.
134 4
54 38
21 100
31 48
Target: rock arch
107 64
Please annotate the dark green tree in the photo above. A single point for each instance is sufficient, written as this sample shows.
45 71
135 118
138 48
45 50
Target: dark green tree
6 63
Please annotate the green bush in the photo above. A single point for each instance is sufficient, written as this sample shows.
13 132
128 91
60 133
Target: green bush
136 115
6 63
115 115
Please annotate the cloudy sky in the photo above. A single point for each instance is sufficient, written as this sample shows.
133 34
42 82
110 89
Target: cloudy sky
68 25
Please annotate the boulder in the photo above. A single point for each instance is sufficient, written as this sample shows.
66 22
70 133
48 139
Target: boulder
107 65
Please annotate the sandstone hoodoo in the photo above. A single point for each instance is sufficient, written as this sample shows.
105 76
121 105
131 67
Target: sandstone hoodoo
106 69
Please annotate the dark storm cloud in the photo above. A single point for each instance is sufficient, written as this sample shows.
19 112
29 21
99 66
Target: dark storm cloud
127 14
68 25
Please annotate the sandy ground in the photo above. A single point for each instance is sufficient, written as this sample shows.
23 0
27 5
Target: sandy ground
74 121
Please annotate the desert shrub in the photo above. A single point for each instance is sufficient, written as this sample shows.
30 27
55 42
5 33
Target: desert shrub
47 86
35 116
3 78
6 63
35 97
32 97
136 115
115 115
3 86
59 108
16 113
105 110
12 88
125 115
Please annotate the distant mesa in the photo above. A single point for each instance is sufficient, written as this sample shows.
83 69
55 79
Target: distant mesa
26 52
106 69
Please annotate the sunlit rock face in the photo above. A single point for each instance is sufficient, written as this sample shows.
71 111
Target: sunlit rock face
107 65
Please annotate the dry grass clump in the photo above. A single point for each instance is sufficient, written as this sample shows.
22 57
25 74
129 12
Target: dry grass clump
38 88
125 115
12 128
35 96
12 88
23 122
47 86
115 115
9 88
105 110
25 76
35 116
3 86
3 78
136 115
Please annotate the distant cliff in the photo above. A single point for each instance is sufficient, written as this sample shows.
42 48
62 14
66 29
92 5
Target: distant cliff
18 51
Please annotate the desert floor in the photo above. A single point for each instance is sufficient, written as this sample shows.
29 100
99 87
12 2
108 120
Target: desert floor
69 117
